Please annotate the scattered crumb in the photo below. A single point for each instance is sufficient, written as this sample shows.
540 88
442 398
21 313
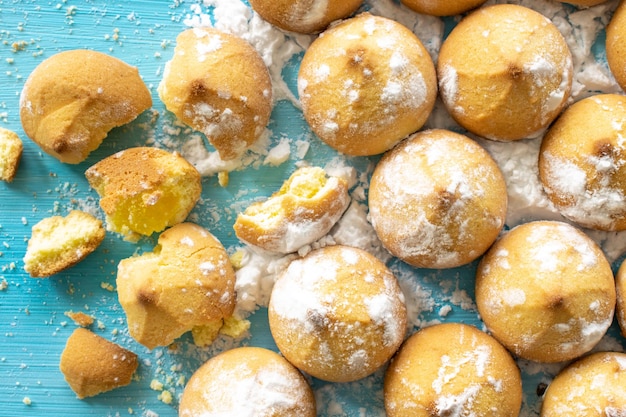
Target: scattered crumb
3 284
19 46
236 259
27 401
107 286
156 385
235 327
80 318
165 397
222 178
206 335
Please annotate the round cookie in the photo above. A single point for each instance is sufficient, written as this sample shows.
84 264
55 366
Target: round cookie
304 210
442 7
620 309
365 84
144 190
546 291
218 84
616 45
337 314
72 100
505 72
584 3
247 381
437 200
590 387
452 369
582 162
304 16
187 281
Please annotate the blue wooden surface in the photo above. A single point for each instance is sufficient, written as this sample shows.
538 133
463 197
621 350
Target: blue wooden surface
33 326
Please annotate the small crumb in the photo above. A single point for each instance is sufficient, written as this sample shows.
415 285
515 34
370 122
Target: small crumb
3 284
107 286
19 46
27 401
206 335
80 318
156 385
165 397
222 178
236 259
235 327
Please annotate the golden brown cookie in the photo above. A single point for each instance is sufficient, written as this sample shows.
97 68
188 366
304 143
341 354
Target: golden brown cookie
505 72
218 84
247 381
365 84
92 365
592 387
187 281
584 3
58 242
437 200
546 291
452 369
72 100
144 190
616 45
304 16
305 208
442 7
337 314
582 162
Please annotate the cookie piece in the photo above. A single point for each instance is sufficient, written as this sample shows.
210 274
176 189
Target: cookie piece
57 243
72 100
91 364
10 154
144 190
187 281
305 208
218 84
